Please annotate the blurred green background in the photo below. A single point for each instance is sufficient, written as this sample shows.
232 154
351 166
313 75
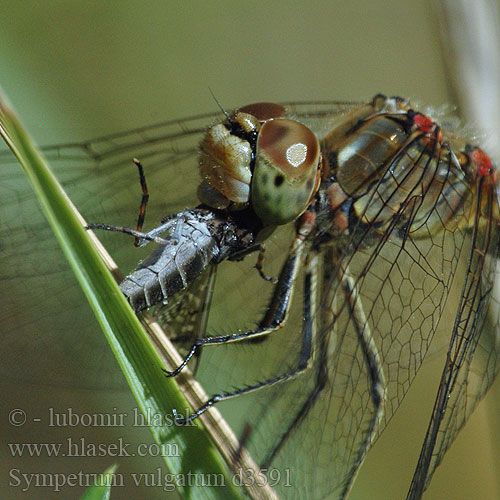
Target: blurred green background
75 70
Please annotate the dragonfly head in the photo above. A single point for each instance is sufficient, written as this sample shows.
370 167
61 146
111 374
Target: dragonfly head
262 160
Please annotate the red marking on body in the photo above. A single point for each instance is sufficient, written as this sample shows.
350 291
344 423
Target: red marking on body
340 222
423 123
336 196
483 162
306 222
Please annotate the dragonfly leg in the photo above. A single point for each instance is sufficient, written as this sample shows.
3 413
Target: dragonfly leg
260 261
308 334
372 360
277 311
144 201
377 383
138 234
261 248
240 255
306 359
140 237
132 232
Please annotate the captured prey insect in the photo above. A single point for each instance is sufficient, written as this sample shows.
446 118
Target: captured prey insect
393 226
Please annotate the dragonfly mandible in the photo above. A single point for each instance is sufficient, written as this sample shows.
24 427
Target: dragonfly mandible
391 217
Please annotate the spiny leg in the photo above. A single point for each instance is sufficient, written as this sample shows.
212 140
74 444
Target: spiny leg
309 337
372 360
277 311
260 263
138 234
302 365
377 383
306 355
144 200
132 232
274 318
261 248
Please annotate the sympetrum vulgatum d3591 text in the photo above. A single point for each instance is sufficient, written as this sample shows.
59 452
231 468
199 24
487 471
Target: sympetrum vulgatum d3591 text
375 234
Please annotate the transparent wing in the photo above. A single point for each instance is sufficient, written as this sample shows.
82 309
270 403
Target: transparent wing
39 295
407 272
473 355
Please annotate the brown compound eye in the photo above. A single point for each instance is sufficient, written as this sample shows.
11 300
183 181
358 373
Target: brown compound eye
286 173
264 111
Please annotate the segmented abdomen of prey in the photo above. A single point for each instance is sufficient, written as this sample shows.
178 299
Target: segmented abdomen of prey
195 239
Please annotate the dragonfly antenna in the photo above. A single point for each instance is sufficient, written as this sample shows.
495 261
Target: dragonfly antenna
219 104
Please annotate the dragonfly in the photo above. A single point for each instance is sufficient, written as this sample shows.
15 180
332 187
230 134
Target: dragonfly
378 222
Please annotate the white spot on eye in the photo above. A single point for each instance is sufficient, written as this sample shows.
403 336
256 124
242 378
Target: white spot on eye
296 154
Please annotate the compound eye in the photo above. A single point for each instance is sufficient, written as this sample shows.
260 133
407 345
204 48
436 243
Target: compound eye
287 171
264 111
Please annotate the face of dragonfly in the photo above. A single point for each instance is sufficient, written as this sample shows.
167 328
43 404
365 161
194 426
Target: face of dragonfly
403 233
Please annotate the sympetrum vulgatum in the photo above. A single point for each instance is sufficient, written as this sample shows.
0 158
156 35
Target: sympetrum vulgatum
403 228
